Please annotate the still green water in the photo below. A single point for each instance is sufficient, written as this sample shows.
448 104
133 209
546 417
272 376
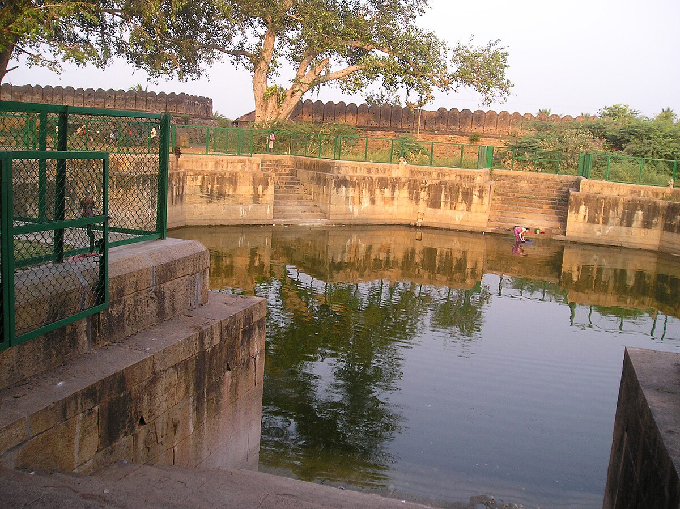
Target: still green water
433 365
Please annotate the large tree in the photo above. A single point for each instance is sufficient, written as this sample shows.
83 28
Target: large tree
175 38
289 46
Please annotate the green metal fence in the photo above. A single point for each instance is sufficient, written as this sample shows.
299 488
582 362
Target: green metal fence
139 147
240 141
53 240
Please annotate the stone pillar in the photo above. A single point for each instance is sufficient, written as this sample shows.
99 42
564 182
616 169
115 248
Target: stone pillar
79 97
407 119
341 112
515 122
374 116
6 92
36 96
47 94
478 121
362 115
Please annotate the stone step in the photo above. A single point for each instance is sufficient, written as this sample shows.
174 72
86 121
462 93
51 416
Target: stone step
562 208
531 193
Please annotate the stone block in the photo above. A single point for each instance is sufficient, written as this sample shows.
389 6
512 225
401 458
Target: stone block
62 447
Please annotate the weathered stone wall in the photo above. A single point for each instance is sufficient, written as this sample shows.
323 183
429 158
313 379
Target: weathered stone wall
186 392
403 119
164 376
645 456
353 193
197 107
212 190
149 282
625 215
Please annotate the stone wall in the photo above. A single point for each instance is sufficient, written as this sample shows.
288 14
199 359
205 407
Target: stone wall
164 376
403 119
213 190
627 215
196 107
388 194
645 456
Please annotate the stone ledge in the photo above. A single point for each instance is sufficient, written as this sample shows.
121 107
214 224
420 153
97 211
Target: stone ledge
97 407
645 456
149 282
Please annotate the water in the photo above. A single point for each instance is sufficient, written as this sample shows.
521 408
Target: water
434 366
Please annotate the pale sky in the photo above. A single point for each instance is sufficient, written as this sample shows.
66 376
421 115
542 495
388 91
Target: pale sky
569 56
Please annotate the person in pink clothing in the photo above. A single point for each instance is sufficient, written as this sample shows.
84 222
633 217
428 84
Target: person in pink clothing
519 232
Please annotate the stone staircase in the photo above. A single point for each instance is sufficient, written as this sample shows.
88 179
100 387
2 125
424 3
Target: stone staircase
292 204
534 200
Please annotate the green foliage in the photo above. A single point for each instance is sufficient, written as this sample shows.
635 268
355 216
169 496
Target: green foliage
222 121
382 99
619 128
475 138
618 113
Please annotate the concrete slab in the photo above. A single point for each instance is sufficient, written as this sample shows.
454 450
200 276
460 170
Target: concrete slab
143 487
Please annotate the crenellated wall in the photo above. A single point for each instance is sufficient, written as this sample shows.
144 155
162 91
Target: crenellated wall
196 107
396 118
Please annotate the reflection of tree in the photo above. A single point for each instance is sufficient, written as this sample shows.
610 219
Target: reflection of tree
462 310
334 426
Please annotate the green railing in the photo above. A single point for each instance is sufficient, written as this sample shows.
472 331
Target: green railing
239 141
54 240
139 147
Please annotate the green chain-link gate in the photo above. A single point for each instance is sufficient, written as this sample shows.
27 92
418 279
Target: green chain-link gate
75 181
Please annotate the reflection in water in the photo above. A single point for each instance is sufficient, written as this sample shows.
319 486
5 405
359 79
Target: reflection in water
437 365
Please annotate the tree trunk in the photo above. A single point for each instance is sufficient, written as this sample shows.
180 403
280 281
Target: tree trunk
5 57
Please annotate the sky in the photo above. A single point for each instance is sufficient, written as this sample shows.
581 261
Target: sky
571 57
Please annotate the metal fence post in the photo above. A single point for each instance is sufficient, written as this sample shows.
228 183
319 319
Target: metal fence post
462 151
432 154
642 165
7 252
606 175
60 188
163 163
366 150
675 170
42 167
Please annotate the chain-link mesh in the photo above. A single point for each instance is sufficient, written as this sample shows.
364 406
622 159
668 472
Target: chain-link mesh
58 272
134 147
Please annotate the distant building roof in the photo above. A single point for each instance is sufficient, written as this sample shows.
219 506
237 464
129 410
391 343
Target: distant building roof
246 119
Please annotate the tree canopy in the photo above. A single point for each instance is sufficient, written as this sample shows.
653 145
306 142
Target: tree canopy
290 47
